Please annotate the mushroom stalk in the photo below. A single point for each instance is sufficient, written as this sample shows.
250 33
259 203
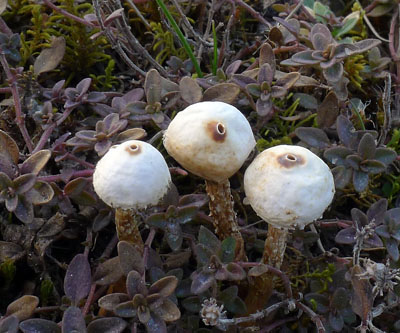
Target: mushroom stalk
274 247
223 214
127 223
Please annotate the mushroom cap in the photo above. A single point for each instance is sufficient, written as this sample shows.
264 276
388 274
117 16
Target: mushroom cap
289 186
210 139
131 175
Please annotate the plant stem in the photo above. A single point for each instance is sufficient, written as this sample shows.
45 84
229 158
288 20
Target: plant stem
223 214
181 37
127 223
17 101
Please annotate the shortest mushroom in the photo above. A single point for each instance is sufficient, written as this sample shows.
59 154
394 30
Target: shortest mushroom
288 187
129 177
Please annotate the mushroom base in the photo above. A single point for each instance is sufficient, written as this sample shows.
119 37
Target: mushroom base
224 217
262 286
128 227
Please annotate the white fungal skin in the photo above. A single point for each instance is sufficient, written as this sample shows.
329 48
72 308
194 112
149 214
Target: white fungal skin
132 175
210 139
289 186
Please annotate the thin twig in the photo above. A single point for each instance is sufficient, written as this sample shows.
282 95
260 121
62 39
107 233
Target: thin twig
68 14
313 316
387 123
139 14
299 4
61 177
20 118
253 12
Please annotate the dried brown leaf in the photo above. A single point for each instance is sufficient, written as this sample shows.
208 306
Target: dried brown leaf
223 92
50 58
23 307
190 90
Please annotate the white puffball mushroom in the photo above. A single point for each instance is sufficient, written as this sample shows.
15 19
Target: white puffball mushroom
129 177
213 140
132 175
289 186
210 139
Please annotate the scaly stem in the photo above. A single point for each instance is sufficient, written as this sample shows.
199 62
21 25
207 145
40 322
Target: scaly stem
127 225
262 286
224 217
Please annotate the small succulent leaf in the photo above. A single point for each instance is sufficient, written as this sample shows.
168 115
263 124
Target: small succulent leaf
203 254
346 236
354 161
201 282
359 218
227 253
165 286
383 231
264 108
5 181
361 298
35 162
366 44
83 86
267 56
23 307
95 97
152 86
258 270
36 325
50 58
314 137
10 251
228 294
336 321
157 220
360 180
7 166
319 41
304 58
288 80
108 272
372 166
130 258
373 241
12 203
155 324
131 134
333 73
168 311
340 298
110 301
337 155
367 147
323 30
143 314
174 237
342 176
236 272
190 90
186 214
135 284
233 67
254 89
107 325
191 304
73 321
222 92
208 239
125 310
77 279
276 35
24 210
392 247
40 194
86 135
8 147
328 110
321 301
24 183
376 212
277 92
101 147
306 101
242 80
265 74
346 132
385 155
75 186
10 325
348 23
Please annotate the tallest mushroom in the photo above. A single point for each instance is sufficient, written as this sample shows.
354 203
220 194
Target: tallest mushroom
212 140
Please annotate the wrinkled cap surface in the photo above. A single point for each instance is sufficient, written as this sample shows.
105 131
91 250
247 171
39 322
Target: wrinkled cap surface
289 186
132 175
210 139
